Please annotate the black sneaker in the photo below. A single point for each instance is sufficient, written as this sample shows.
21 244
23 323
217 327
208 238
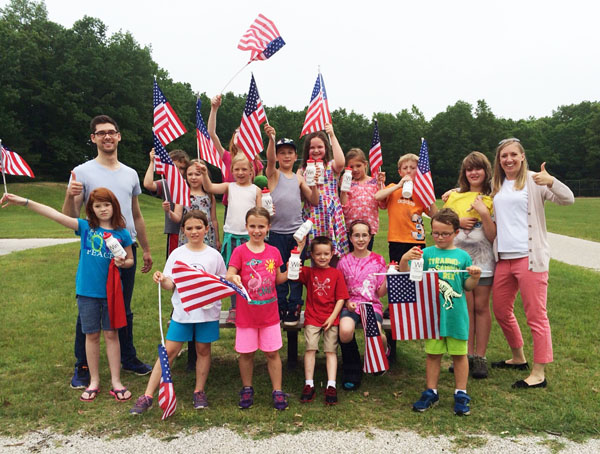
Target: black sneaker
291 318
331 396
138 367
308 394
81 378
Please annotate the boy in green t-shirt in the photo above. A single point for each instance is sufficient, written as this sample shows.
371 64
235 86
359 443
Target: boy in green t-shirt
454 317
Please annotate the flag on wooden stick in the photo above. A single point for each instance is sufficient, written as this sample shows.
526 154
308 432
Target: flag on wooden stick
167 125
317 115
375 156
248 137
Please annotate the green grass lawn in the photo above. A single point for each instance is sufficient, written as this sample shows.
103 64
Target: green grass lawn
38 312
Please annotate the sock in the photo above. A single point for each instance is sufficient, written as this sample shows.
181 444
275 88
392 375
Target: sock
457 390
310 383
434 390
330 383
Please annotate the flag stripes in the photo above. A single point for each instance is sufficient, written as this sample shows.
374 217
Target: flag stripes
167 125
375 156
166 392
262 39
13 164
206 146
423 184
163 165
317 115
375 359
248 138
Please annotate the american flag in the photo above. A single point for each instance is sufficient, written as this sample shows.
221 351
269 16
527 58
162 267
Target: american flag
13 164
375 359
197 288
423 184
163 165
317 115
166 393
167 125
375 157
414 307
248 137
262 39
208 152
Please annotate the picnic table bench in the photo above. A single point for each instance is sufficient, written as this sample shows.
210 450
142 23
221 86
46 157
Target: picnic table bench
292 335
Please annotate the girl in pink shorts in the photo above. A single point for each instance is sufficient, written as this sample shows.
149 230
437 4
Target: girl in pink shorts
256 266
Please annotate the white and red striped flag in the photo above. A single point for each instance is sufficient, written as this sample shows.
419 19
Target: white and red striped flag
317 115
206 146
375 358
262 39
414 307
167 125
164 165
423 184
166 392
13 164
375 156
197 288
248 137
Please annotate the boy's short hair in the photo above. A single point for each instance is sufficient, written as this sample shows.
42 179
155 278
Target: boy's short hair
195 214
316 241
179 155
101 119
447 216
407 157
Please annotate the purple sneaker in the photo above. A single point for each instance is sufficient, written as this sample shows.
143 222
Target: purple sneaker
280 400
246 397
200 400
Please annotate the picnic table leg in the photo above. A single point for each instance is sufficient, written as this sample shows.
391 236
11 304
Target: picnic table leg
392 345
292 359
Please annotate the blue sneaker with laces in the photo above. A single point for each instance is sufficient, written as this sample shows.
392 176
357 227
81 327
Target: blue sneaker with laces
428 399
461 404
81 377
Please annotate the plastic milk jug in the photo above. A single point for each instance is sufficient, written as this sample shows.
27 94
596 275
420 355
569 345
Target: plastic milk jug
294 265
321 168
113 245
407 189
416 270
346 180
309 173
303 230
267 201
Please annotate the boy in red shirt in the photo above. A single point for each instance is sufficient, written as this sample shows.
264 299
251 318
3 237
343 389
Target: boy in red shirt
326 293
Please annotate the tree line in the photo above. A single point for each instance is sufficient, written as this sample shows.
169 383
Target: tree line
55 79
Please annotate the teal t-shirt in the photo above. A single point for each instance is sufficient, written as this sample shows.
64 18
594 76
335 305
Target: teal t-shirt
454 315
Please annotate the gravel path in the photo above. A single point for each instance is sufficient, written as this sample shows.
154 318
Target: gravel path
225 441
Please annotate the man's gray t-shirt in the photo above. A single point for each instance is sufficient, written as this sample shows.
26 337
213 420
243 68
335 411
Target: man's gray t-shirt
123 182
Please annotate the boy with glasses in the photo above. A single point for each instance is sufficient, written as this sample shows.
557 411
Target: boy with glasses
454 317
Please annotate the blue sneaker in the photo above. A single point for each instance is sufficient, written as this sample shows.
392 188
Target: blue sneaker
461 404
246 397
138 367
81 377
280 401
428 399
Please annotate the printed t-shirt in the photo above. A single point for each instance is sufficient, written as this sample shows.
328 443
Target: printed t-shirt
324 287
454 316
94 258
259 274
208 260
405 219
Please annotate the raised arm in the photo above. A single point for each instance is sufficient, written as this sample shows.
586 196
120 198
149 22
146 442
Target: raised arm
215 103
46 211
338 155
271 170
208 185
149 183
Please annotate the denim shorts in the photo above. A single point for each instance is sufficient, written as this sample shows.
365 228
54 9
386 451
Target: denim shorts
93 313
203 332
356 317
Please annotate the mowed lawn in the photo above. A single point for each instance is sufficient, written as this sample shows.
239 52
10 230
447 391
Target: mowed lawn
38 313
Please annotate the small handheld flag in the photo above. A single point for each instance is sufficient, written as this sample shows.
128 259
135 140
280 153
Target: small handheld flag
375 156
206 147
164 165
248 137
423 184
166 392
262 39
317 115
167 125
13 164
375 358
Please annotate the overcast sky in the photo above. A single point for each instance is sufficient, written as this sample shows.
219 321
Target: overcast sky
525 58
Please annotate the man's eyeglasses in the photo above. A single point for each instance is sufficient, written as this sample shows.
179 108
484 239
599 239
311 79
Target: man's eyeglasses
442 234
512 139
103 134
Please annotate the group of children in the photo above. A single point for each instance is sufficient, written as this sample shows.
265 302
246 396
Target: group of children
255 250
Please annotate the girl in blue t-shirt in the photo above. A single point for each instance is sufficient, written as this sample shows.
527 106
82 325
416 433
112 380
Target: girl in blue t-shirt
103 215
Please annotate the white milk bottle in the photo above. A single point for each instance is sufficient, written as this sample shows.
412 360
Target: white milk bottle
346 180
321 168
113 245
294 265
416 270
392 268
309 173
407 189
267 201
303 230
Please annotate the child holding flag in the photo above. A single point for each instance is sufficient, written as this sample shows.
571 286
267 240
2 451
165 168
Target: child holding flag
201 324
454 317
97 284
